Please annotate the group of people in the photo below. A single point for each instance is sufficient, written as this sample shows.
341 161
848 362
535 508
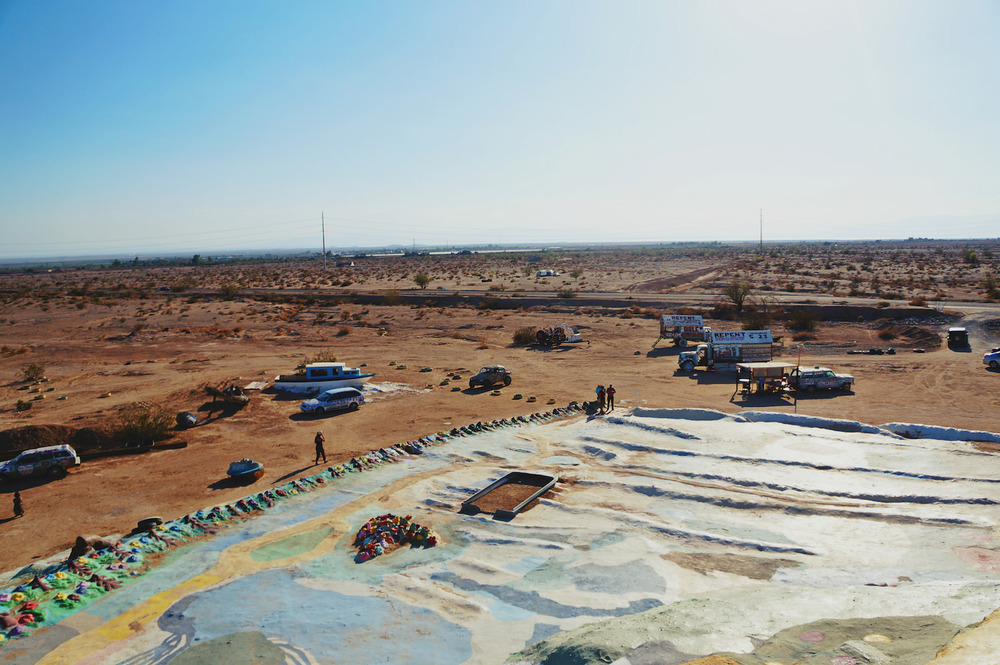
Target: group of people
606 398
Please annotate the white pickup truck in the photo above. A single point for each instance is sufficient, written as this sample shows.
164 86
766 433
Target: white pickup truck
817 378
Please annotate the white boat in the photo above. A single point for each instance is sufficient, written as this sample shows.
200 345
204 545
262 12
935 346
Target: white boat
319 377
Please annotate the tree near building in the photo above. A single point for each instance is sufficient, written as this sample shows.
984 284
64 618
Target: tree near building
737 292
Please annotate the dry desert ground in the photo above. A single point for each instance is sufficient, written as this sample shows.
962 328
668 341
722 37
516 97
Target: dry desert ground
108 338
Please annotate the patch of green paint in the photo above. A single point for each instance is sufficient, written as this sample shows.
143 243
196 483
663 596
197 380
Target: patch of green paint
291 546
549 575
233 649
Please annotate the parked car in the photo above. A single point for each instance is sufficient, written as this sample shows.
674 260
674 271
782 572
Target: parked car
992 358
490 375
819 377
335 399
50 460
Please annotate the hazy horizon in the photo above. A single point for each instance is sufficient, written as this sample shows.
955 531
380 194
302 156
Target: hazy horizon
131 129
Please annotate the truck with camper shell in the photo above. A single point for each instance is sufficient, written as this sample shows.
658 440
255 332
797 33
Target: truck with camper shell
681 328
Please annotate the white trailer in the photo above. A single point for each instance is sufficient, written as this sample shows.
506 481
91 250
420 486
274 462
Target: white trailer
681 328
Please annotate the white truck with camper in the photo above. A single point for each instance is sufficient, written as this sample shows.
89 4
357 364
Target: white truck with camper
681 328
723 350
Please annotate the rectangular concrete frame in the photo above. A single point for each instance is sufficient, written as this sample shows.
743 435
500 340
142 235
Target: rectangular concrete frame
545 481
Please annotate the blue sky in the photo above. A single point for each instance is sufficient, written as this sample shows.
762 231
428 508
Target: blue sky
134 127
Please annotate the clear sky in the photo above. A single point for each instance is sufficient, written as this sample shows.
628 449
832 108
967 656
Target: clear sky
137 127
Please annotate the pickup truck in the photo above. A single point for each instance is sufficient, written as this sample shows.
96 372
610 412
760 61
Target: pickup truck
810 380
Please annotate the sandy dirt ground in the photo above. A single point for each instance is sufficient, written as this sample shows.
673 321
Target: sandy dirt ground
164 350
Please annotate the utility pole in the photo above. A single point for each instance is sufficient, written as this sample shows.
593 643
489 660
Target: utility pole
322 217
762 232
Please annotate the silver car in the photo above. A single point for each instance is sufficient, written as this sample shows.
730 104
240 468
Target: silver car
336 399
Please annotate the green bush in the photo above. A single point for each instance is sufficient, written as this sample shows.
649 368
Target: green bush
565 293
525 336
32 372
139 422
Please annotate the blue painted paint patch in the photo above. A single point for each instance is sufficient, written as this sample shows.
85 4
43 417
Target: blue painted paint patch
564 460
631 577
527 564
331 626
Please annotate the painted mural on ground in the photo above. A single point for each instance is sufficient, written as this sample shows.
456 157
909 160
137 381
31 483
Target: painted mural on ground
671 537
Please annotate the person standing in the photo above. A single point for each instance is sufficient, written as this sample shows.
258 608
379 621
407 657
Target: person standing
320 440
609 396
601 395
18 506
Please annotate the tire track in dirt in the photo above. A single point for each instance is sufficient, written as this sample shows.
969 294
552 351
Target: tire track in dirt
664 284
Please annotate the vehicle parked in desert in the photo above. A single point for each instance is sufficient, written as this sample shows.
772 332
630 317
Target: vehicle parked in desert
490 375
992 358
50 460
724 350
819 378
958 338
336 399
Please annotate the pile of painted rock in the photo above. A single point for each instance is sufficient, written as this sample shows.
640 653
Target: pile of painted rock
63 588
383 533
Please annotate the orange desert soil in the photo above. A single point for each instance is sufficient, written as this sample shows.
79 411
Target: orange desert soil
101 357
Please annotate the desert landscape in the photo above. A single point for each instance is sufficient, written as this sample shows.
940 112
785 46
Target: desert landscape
89 350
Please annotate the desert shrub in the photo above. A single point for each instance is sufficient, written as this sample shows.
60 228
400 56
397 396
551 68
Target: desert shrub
482 343
22 405
32 372
524 336
565 293
722 310
343 331
803 336
627 314
882 304
756 319
421 280
324 356
489 303
991 286
886 334
140 422
801 320
918 302
391 297
229 290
